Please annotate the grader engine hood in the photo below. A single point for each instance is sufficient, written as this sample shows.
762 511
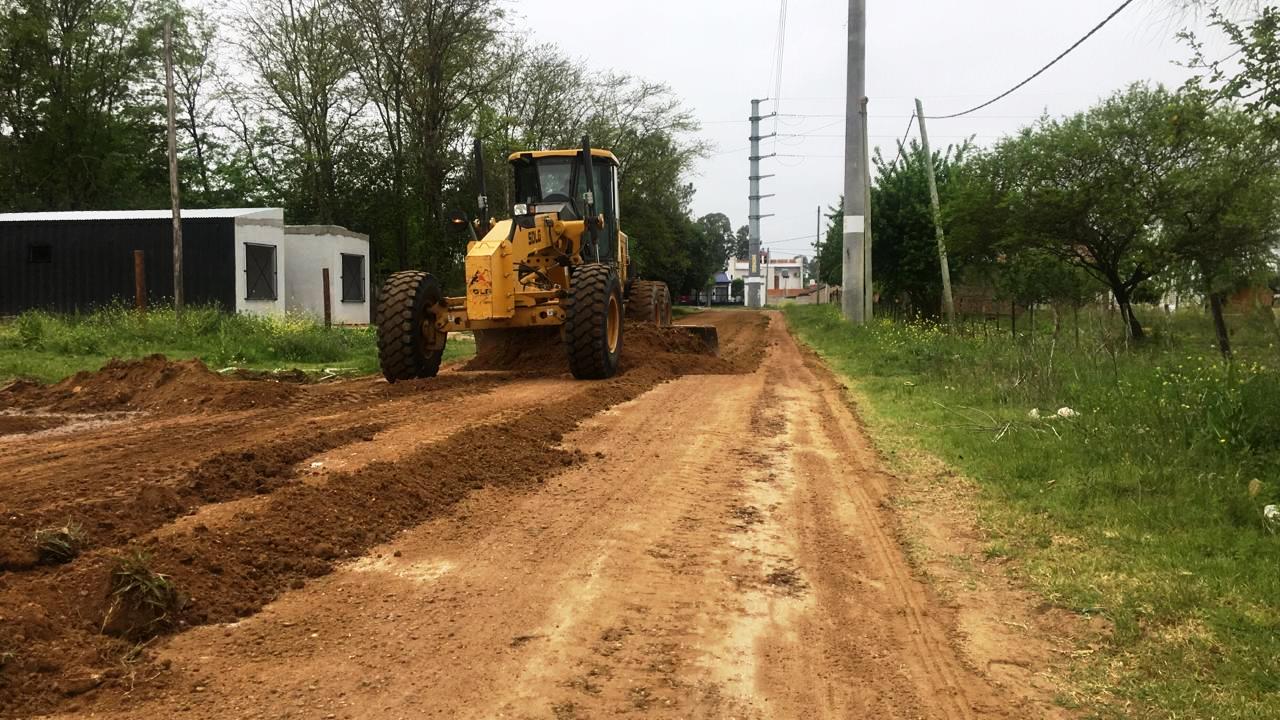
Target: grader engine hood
515 265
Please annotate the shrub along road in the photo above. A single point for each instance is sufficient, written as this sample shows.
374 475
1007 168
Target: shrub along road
697 538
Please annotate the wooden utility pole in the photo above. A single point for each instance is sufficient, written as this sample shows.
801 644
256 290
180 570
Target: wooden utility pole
817 248
139 280
173 168
948 303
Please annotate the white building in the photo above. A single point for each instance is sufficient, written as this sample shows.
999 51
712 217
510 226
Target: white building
313 248
783 277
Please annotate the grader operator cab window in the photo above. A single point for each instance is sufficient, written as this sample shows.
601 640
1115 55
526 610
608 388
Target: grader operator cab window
547 185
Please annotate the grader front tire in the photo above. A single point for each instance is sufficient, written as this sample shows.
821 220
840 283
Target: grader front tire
593 322
408 347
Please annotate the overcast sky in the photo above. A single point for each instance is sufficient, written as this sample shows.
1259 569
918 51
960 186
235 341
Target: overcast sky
718 54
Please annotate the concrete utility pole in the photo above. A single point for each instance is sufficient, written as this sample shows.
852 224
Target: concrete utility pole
948 303
853 254
868 292
755 282
173 168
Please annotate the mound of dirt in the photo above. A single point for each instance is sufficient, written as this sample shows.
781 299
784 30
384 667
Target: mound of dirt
150 383
539 351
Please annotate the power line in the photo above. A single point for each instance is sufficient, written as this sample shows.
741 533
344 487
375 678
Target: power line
1041 71
779 47
903 141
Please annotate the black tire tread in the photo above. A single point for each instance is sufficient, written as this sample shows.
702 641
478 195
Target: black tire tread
400 353
586 311
642 300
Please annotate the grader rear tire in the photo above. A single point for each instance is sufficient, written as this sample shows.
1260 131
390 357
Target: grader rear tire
593 322
644 302
408 347
649 302
664 305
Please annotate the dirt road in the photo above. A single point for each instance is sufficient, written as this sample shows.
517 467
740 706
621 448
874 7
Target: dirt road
662 545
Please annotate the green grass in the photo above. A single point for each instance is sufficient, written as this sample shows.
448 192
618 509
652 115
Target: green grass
1146 508
49 347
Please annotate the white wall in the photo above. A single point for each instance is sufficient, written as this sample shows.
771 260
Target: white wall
260 232
787 271
312 248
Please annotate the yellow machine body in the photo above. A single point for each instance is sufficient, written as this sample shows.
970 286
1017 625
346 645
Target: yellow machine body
516 272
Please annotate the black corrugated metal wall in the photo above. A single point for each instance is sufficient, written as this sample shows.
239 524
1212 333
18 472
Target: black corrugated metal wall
69 265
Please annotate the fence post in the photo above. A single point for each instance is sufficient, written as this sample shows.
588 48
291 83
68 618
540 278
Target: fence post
139 281
328 301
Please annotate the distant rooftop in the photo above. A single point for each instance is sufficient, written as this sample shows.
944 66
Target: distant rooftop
250 213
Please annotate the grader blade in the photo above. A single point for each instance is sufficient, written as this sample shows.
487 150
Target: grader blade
518 348
707 334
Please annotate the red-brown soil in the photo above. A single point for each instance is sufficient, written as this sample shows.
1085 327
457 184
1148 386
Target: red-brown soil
151 383
698 537
300 530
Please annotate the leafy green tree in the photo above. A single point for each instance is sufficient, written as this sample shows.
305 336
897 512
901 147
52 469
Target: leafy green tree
905 251
742 243
830 252
81 122
1251 74
1223 218
1091 189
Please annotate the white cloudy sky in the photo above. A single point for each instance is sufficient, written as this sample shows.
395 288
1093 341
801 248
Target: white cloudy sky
718 54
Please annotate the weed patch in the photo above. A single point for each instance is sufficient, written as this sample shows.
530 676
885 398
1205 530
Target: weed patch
143 602
57 545
1130 482
49 347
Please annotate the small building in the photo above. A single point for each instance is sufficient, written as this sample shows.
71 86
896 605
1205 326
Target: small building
238 259
783 277
313 248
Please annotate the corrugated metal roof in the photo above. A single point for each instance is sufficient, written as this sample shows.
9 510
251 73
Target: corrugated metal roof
255 213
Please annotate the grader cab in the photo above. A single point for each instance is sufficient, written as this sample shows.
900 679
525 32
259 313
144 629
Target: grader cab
558 270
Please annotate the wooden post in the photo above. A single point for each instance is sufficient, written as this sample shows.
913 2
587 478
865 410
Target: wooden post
173 168
947 302
328 300
139 281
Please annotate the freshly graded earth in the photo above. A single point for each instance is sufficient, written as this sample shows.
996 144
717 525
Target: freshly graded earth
699 537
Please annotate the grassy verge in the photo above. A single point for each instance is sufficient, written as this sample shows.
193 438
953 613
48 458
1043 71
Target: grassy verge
1146 506
49 347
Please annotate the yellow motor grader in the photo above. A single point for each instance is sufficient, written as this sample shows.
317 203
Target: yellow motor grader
559 267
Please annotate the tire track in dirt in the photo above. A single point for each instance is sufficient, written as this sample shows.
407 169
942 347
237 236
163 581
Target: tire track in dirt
720 547
231 571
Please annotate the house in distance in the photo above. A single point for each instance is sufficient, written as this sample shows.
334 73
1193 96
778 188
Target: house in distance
238 259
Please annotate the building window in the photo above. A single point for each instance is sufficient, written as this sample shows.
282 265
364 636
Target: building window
352 278
260 272
40 254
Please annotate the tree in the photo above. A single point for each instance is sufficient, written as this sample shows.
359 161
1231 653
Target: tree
720 238
302 55
1091 189
1251 74
742 243
80 116
830 253
1223 219
905 257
